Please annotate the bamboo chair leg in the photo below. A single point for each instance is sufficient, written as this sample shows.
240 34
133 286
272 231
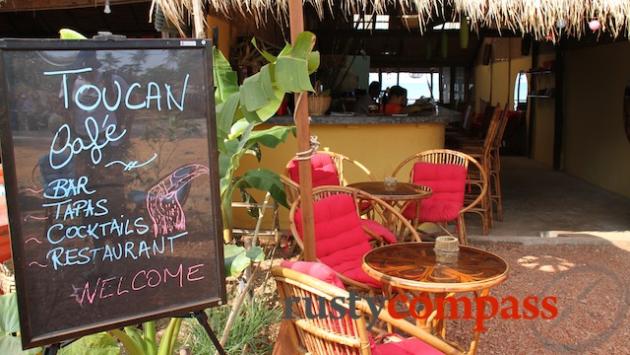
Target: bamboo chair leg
461 230
499 196
489 213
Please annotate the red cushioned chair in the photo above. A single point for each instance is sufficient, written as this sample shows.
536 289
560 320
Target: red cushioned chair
343 334
327 168
5 247
342 237
444 171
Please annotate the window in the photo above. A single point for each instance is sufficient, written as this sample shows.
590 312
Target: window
520 90
446 85
460 83
370 22
417 84
447 26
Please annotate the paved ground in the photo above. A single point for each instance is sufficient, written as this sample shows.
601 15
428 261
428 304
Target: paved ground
592 287
539 202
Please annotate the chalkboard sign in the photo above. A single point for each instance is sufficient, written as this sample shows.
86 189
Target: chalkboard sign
110 160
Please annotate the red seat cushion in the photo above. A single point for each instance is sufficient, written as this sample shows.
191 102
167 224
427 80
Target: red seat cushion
316 270
409 346
340 240
5 248
323 170
379 230
448 182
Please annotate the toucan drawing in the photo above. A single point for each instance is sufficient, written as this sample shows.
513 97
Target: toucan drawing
166 198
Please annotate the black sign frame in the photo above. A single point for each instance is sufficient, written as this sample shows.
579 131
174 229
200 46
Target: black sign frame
10 175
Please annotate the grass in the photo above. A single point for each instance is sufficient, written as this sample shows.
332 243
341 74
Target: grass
250 330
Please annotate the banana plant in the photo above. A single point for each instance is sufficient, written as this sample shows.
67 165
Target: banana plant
144 342
240 109
10 342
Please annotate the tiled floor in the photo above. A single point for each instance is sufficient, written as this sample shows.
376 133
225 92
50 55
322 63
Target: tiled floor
539 202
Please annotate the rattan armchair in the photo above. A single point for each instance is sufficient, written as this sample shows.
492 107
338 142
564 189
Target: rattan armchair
445 156
379 211
345 335
488 154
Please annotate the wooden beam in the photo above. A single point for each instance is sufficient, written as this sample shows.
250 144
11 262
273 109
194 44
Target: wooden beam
558 126
296 20
39 5
198 18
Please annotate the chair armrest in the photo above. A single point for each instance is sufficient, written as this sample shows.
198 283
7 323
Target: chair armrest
378 232
410 329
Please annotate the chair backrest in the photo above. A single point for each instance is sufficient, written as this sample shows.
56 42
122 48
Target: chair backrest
291 189
493 130
503 121
323 170
447 157
326 166
466 123
448 184
338 229
337 210
308 296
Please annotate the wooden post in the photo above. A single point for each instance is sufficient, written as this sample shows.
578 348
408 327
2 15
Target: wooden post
198 19
296 18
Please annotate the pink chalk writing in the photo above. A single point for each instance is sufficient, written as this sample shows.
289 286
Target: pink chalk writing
144 279
164 200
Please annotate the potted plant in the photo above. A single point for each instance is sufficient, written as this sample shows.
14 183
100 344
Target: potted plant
319 101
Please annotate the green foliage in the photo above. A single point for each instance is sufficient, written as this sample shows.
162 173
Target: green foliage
95 344
10 342
144 342
237 259
66 33
241 109
251 329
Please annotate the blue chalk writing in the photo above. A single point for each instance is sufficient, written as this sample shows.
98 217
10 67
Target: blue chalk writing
60 257
128 96
64 81
70 147
57 233
81 105
170 98
134 164
64 188
69 209
153 96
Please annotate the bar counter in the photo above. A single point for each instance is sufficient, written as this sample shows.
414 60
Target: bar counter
444 116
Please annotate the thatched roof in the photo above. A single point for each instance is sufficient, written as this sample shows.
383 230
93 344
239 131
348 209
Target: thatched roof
542 18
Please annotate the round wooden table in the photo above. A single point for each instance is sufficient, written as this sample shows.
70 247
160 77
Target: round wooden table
401 192
413 268
401 195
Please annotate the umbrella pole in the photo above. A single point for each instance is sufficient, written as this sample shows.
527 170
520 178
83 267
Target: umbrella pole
296 18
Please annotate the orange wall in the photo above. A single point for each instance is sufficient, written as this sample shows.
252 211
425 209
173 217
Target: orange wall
225 33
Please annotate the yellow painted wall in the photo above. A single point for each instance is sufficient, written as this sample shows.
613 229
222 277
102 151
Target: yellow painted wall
502 72
544 118
379 147
595 146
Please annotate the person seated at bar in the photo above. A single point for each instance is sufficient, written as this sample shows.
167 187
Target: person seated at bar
396 100
368 102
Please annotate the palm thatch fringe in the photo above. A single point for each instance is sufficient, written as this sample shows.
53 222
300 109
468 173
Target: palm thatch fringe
544 19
